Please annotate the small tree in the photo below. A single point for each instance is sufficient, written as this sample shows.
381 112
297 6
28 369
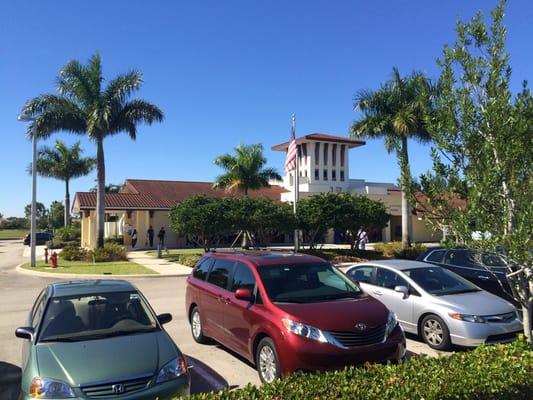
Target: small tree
314 216
41 215
57 214
484 139
355 212
204 220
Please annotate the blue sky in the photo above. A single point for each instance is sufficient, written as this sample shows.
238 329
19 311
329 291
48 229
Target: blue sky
226 72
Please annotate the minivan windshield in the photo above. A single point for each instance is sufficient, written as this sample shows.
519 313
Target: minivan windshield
306 283
96 316
439 281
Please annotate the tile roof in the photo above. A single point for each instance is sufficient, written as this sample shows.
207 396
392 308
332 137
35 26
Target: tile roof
321 137
156 194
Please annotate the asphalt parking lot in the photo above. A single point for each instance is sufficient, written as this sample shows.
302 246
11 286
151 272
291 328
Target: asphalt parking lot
213 367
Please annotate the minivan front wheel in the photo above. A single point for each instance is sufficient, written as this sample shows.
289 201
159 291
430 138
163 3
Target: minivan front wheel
196 327
267 361
435 333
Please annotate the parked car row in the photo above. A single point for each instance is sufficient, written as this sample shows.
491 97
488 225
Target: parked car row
283 312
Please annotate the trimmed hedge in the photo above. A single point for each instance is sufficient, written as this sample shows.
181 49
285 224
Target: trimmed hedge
499 372
110 252
189 260
395 250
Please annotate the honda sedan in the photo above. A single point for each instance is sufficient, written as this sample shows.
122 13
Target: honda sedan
99 339
437 304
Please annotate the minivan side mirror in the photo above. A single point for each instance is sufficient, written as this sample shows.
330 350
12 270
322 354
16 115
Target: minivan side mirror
25 332
164 318
402 289
243 294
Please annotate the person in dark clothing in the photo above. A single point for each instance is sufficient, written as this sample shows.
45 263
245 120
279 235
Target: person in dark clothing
161 237
133 238
150 233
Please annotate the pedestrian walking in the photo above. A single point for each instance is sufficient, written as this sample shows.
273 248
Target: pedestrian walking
362 238
133 238
150 233
161 237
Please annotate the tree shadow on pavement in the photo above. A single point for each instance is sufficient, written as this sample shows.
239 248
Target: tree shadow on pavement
10 376
204 378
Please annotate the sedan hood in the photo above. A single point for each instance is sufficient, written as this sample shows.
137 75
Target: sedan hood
477 303
78 363
338 315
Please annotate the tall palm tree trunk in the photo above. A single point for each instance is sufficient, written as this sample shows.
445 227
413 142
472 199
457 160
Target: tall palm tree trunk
100 193
67 203
404 180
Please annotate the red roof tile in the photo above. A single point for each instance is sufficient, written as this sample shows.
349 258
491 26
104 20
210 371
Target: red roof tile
155 194
321 137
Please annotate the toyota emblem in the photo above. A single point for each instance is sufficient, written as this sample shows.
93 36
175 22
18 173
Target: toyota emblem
118 389
360 326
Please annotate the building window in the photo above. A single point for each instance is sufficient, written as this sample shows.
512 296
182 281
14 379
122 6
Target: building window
317 175
331 188
305 173
333 175
325 174
343 151
304 149
326 148
317 153
291 180
342 175
334 154
339 189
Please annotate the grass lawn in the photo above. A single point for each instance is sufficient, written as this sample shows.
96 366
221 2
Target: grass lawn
6 234
81 267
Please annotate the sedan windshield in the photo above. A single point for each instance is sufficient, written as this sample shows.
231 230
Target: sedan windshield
96 316
439 281
306 283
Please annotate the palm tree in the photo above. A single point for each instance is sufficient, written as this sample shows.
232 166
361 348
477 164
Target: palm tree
64 163
396 113
85 107
245 170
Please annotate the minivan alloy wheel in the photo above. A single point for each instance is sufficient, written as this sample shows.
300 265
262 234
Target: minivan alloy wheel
267 364
196 327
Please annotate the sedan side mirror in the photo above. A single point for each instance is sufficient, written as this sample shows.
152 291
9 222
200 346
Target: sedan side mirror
402 289
243 294
25 332
164 318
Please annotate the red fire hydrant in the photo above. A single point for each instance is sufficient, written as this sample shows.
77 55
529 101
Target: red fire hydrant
53 259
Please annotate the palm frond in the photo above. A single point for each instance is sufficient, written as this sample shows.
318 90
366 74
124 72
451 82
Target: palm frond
120 88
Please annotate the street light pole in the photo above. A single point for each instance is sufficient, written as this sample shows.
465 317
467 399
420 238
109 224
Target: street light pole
33 227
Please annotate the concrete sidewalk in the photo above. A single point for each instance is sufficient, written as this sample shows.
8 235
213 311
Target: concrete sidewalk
161 266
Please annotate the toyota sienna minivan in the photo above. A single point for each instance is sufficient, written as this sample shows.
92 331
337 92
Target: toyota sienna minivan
288 313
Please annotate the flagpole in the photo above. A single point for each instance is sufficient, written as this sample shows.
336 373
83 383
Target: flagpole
296 184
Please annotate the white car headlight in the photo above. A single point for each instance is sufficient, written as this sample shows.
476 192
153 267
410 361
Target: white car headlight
43 388
392 321
468 318
172 370
304 330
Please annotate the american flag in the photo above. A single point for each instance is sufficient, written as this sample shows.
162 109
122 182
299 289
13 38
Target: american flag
290 161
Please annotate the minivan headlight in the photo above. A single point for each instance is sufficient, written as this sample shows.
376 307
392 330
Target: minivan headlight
392 321
172 370
468 318
304 330
42 388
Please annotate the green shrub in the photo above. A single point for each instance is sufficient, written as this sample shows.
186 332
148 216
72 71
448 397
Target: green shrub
394 250
73 253
59 244
499 372
116 240
68 234
110 252
188 260
343 255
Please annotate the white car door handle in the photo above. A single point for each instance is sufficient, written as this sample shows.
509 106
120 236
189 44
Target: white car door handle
377 292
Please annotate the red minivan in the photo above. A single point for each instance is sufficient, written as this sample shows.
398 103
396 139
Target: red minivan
288 312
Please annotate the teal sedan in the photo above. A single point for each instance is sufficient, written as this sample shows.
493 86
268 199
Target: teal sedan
99 339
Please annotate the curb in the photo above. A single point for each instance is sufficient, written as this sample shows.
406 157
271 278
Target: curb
21 270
